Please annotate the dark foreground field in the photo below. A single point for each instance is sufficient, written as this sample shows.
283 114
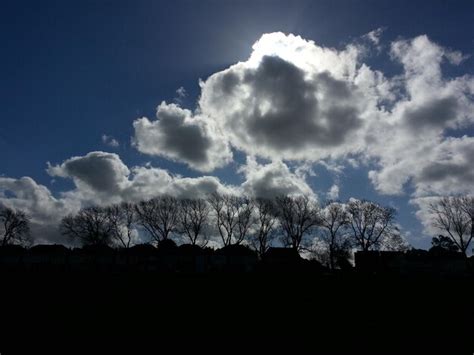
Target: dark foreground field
327 314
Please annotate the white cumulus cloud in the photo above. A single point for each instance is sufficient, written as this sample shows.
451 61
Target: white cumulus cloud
179 135
273 179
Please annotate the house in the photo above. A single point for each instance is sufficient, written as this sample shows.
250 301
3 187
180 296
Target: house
140 257
234 258
45 257
11 257
193 258
168 256
412 263
281 259
288 260
281 256
378 261
92 258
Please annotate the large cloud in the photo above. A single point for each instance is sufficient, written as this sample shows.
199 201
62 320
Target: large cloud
96 171
103 178
295 100
147 182
413 137
179 135
290 100
414 146
449 169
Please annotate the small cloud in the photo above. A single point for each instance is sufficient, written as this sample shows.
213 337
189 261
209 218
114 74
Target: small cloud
332 166
333 193
110 141
180 94
456 57
305 170
353 163
374 36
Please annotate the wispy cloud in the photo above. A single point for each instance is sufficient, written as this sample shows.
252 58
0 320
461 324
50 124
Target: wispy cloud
110 141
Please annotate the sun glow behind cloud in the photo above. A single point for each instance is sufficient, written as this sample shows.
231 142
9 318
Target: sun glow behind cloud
305 54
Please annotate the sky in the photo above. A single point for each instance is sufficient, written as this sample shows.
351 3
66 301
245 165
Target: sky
107 101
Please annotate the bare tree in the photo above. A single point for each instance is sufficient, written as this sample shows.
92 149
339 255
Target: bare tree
233 217
90 225
225 216
372 225
123 218
455 216
298 216
193 219
334 223
159 216
245 209
266 220
14 226
467 205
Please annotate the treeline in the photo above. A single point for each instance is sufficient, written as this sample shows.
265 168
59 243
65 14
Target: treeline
294 222
328 232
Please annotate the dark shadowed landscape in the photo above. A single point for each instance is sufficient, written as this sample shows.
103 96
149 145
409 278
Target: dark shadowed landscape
386 302
364 313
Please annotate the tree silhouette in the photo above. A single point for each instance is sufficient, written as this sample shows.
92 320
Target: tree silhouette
334 224
193 219
159 216
249 221
371 224
245 209
233 217
467 205
297 216
91 226
443 244
265 222
395 243
14 226
455 216
123 218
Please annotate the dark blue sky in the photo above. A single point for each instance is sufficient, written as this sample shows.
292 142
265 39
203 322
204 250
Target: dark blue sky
74 70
